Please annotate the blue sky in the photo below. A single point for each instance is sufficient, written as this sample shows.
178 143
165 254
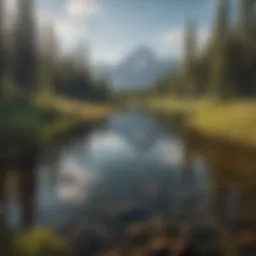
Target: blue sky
112 28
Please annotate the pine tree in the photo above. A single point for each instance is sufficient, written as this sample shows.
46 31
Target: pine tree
246 16
2 48
218 84
24 76
81 84
48 55
2 162
246 38
24 70
246 25
221 25
190 46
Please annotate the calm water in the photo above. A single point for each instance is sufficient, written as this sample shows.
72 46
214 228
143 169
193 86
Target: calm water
132 143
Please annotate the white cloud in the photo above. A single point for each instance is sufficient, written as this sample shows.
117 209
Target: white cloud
85 8
68 29
10 11
107 57
68 32
174 39
10 5
45 17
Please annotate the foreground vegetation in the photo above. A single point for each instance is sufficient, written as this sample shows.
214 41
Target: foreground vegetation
37 242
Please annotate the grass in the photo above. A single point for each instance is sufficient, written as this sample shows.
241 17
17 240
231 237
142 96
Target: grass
27 124
169 105
72 113
20 123
58 127
233 120
40 242
86 110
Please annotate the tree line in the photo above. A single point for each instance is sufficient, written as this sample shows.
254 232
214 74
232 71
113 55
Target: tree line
226 67
31 64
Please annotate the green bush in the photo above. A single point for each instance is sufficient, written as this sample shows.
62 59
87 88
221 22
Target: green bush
41 242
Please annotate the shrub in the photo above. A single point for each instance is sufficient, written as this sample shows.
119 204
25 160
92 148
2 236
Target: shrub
41 242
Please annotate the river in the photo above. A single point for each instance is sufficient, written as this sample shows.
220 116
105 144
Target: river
132 153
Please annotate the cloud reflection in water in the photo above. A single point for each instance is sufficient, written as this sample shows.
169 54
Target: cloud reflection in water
108 144
74 182
168 151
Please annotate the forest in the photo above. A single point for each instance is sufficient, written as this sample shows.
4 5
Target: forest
35 76
225 68
47 70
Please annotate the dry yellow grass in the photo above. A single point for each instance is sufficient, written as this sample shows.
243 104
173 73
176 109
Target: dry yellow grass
84 110
233 120
170 105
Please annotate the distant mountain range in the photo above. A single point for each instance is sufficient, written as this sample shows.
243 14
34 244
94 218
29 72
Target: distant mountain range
139 70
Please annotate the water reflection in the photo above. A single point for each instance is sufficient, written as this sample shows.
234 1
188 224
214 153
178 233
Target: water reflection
105 145
168 151
74 181
140 130
109 153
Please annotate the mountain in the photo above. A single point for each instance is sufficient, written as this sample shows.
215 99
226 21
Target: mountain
138 70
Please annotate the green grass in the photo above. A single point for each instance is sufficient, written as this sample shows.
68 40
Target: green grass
40 242
20 122
58 127
25 124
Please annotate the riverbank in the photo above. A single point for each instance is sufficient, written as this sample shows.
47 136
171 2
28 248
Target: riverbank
225 136
169 105
224 133
76 114
84 110
47 121
231 121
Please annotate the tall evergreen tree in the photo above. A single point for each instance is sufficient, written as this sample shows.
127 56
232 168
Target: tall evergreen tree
47 61
81 86
246 38
2 48
218 86
246 16
2 149
24 70
190 48
24 75
221 24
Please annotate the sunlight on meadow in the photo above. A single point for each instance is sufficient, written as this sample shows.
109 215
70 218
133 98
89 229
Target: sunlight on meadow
235 120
